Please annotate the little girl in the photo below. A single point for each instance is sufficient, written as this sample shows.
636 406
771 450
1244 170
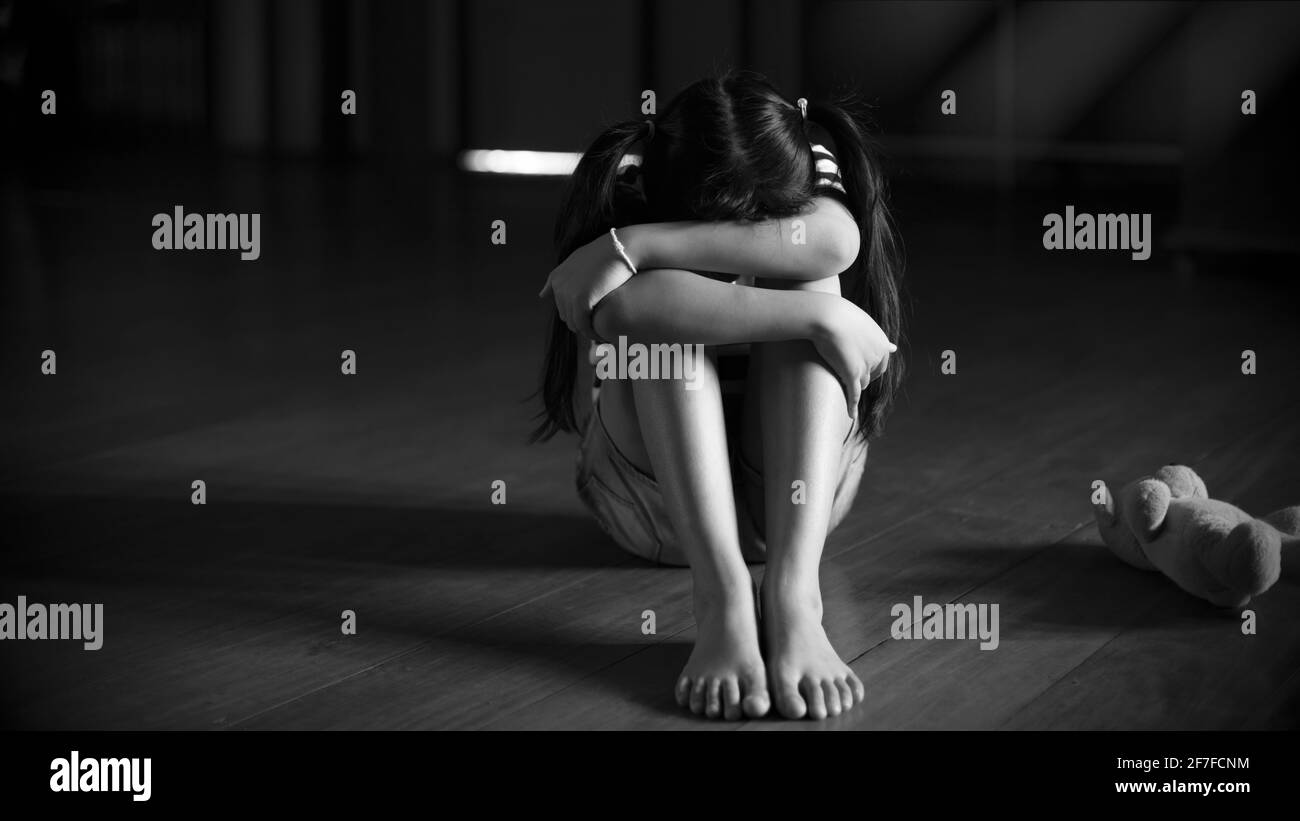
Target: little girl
756 227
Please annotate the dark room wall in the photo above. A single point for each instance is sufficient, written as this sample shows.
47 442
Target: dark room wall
547 76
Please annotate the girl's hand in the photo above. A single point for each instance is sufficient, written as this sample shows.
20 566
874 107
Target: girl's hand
584 278
853 345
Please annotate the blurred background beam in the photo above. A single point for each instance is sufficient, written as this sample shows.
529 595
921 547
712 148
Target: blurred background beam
299 91
242 75
776 42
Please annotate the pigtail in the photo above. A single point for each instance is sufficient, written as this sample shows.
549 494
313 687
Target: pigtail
873 282
588 210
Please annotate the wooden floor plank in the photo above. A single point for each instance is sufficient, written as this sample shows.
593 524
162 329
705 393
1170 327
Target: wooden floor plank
197 628
467 677
1184 666
1055 610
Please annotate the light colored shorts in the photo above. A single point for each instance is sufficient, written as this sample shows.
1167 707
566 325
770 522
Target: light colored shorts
628 505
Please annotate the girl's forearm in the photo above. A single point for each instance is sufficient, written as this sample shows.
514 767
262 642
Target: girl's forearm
669 305
824 245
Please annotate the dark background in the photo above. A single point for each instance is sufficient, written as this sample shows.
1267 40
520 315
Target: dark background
1049 93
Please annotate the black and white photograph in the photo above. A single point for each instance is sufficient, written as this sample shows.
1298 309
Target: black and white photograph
633 365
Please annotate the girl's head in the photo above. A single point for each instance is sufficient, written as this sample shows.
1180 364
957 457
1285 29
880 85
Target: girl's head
731 148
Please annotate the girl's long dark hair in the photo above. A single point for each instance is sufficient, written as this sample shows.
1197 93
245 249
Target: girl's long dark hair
587 212
732 148
873 281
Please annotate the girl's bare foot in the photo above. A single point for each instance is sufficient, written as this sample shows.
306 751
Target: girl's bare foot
807 676
725 677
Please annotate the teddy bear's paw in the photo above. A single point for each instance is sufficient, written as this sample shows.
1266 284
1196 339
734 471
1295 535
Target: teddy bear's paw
1286 520
1249 560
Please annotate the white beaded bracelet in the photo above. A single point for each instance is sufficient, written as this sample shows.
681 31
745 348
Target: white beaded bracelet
622 252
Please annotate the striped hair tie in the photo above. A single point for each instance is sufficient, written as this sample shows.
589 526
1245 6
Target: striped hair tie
826 172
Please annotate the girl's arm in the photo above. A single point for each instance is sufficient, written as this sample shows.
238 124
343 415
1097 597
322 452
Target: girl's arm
767 249
669 305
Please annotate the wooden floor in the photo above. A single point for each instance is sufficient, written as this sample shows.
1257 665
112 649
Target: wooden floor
372 493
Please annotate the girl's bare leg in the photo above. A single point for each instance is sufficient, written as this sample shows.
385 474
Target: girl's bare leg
796 422
679 437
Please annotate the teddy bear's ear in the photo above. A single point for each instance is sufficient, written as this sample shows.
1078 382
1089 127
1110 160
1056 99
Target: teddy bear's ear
1182 481
1145 504
1114 530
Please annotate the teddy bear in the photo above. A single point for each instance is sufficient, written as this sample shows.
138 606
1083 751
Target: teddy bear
1211 549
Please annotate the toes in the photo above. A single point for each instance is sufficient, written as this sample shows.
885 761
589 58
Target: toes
756 702
812 693
731 699
713 698
832 694
683 691
859 692
756 706
697 696
788 700
846 693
